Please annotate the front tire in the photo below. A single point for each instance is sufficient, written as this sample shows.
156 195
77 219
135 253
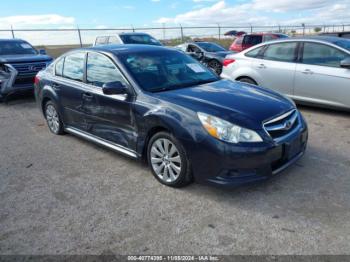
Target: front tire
168 160
53 118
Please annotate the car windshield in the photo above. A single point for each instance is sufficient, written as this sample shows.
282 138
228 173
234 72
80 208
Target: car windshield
211 47
162 70
343 43
16 48
140 39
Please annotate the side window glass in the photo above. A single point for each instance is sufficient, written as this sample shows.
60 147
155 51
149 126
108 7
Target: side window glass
59 67
74 66
319 54
284 52
101 40
255 52
252 39
101 70
113 40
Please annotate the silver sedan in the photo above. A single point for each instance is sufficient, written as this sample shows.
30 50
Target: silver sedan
313 70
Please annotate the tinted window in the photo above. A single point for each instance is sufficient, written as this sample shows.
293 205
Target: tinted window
193 48
74 66
139 39
59 67
284 52
16 48
100 70
254 52
252 39
101 40
157 71
319 54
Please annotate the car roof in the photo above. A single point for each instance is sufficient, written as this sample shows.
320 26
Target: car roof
129 48
11 40
318 38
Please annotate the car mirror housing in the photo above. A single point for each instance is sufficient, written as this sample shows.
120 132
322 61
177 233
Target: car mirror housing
114 88
345 63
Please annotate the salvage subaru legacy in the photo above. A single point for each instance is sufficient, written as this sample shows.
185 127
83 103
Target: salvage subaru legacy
161 105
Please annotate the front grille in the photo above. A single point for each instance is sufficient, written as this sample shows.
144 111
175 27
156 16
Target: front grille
25 69
282 125
24 81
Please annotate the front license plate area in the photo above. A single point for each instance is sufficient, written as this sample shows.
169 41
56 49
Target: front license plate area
294 148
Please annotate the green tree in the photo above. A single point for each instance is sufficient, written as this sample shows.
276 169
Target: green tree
317 29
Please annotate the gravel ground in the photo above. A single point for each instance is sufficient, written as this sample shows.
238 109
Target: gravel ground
62 195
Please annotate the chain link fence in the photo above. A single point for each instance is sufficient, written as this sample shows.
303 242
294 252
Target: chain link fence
76 37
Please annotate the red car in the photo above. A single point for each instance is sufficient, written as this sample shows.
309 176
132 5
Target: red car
248 40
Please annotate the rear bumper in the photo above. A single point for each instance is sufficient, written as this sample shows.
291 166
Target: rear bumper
223 164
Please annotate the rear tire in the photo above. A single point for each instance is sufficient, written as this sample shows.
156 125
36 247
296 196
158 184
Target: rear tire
168 160
53 118
247 80
216 66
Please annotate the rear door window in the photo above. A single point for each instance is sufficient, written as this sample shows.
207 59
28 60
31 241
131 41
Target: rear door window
284 52
323 55
113 40
74 66
59 67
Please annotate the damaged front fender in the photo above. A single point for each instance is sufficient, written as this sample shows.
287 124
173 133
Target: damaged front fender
8 76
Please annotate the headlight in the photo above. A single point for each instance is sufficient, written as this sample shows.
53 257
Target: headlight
226 131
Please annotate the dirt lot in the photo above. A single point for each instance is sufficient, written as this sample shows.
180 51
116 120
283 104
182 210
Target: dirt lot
62 195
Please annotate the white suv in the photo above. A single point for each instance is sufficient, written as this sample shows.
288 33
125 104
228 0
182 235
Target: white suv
127 38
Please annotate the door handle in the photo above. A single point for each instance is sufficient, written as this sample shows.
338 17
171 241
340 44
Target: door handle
307 72
87 96
56 86
262 66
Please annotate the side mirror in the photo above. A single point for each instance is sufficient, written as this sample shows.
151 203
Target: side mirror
42 51
114 88
345 63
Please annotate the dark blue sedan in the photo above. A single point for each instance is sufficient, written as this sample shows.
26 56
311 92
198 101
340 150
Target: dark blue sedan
163 106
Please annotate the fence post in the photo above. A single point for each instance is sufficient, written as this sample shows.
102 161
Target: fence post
251 29
13 32
219 31
343 28
182 33
79 34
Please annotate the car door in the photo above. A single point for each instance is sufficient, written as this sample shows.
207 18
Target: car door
319 77
67 82
110 116
276 67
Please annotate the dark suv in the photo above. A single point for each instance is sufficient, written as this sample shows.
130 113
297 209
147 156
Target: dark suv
19 63
245 41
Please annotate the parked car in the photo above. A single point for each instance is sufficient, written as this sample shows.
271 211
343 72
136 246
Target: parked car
162 105
243 42
127 38
345 34
310 70
19 63
210 54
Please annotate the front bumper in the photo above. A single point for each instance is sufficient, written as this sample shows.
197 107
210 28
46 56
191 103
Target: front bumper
225 164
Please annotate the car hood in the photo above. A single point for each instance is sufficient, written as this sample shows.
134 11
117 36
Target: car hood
24 58
239 103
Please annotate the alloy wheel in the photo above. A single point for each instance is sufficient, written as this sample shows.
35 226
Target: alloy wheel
52 119
165 160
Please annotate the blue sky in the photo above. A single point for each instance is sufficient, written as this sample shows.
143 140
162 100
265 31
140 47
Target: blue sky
140 13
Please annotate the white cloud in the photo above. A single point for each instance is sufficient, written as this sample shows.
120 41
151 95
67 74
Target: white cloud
36 20
261 12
